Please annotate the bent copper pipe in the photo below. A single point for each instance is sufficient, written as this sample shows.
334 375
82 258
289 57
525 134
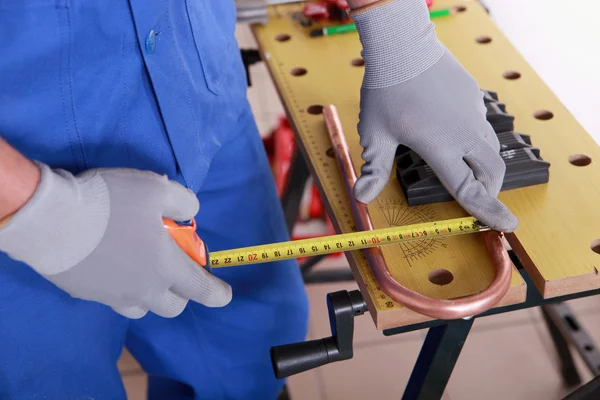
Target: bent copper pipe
440 309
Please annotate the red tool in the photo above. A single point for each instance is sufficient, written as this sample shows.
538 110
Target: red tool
283 151
280 146
332 10
327 10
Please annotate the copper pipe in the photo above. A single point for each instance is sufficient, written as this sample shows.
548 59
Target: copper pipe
440 309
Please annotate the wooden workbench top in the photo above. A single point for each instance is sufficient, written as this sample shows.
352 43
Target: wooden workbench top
559 221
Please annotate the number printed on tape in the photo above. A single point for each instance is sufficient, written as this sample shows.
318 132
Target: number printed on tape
343 242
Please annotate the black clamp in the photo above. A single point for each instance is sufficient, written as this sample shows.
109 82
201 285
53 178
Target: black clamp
249 57
291 359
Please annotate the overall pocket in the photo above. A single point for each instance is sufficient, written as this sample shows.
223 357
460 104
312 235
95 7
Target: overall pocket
213 39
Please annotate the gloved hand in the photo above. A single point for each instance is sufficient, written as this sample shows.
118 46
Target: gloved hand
416 94
100 236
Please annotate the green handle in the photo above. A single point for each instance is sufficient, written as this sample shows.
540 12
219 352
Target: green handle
334 30
439 13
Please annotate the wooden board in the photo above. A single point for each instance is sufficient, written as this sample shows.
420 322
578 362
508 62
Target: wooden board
330 78
558 221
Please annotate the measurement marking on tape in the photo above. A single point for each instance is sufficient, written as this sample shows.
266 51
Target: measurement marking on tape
343 242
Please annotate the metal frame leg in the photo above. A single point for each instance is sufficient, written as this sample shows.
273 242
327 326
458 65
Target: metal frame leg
294 190
572 332
324 276
564 328
310 263
436 361
567 364
329 276
589 391
284 394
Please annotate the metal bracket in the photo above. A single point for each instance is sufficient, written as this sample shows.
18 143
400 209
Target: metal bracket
566 329
291 359
249 57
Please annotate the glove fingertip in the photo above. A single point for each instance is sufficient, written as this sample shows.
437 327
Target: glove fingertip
367 188
510 223
131 312
505 220
212 291
221 295
181 203
201 286
498 217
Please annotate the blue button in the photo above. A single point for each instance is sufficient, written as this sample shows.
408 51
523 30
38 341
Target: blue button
151 41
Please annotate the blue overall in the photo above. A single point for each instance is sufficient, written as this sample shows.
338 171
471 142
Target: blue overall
153 85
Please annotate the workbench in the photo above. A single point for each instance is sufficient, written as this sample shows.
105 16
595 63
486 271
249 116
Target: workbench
555 250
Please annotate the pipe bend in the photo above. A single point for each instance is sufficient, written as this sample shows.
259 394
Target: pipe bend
435 308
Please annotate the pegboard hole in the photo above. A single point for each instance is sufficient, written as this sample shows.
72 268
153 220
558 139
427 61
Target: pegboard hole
460 8
299 71
330 152
315 109
595 246
512 75
358 62
283 37
588 347
580 160
483 39
440 277
543 115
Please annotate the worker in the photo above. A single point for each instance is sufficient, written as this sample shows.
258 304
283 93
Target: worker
115 116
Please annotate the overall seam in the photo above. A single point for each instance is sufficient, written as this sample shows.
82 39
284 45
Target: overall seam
81 146
187 92
59 8
125 97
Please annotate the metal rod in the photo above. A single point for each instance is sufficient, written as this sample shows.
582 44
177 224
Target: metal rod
437 359
435 308
589 391
567 364
307 266
329 276
294 190
571 330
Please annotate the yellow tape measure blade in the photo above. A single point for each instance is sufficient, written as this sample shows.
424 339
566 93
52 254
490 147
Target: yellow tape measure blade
343 242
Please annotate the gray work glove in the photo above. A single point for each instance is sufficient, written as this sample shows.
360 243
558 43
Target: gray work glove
416 94
100 236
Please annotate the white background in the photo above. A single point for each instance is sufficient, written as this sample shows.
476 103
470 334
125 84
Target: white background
561 41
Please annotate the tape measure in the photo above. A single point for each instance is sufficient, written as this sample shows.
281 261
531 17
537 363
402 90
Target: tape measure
343 242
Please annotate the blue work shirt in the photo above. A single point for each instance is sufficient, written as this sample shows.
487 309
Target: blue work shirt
160 86
146 84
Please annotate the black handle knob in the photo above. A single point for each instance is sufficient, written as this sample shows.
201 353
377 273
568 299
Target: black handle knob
249 57
291 359
294 358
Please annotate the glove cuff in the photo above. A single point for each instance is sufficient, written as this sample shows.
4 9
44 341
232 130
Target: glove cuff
61 224
398 40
